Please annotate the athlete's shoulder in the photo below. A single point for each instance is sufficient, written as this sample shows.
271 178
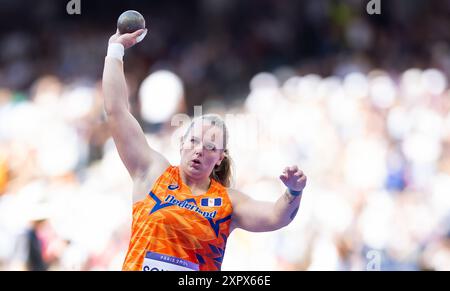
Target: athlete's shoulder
237 196
235 192
151 181
172 170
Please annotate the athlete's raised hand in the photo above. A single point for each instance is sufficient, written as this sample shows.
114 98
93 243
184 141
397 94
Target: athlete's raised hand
293 178
128 39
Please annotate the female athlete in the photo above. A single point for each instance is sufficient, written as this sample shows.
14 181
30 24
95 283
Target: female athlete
183 214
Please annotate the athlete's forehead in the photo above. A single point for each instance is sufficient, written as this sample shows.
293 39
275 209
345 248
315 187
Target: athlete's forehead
207 131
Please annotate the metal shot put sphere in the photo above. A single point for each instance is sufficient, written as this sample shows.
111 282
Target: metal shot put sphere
130 21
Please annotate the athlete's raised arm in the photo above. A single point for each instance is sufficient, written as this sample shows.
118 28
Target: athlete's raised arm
136 154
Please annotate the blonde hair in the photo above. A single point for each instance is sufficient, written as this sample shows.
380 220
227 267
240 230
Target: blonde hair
223 172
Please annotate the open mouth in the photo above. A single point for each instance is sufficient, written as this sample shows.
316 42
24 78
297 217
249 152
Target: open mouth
196 163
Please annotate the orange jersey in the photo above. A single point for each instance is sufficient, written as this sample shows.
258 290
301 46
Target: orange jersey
172 226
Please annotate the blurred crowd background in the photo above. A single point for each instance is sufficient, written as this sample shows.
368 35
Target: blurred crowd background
360 102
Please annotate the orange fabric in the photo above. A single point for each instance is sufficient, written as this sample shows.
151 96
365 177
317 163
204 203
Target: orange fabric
186 230
3 174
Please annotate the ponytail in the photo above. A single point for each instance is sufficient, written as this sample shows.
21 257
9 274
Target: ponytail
223 172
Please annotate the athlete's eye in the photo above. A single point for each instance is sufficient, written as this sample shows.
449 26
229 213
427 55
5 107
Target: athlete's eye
210 147
194 140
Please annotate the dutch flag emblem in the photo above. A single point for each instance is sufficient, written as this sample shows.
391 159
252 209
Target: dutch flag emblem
211 202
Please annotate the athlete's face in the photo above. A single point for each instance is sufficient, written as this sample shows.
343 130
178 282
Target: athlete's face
202 149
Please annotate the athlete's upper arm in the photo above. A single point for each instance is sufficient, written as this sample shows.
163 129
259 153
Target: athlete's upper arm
250 214
138 157
132 145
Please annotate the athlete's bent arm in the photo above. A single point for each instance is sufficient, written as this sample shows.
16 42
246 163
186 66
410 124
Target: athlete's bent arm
138 157
259 216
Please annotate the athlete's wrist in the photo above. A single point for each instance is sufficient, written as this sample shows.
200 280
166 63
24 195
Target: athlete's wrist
294 192
116 50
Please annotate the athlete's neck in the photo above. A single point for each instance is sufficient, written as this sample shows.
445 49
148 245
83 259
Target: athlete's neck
196 185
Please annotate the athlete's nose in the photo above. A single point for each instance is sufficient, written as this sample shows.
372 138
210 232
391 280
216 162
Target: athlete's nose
198 149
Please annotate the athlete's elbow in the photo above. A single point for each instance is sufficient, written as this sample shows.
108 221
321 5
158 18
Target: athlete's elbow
282 224
286 217
283 221
276 223
115 103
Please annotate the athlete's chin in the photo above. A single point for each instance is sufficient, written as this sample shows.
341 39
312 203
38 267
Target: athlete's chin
196 171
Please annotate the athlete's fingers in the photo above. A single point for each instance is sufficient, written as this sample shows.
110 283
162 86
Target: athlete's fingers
302 179
138 32
141 36
288 170
284 174
298 173
291 170
283 178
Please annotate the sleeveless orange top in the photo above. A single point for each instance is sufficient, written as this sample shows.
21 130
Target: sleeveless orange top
179 227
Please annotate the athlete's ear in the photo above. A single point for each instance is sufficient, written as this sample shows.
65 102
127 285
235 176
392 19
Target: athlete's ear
222 156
